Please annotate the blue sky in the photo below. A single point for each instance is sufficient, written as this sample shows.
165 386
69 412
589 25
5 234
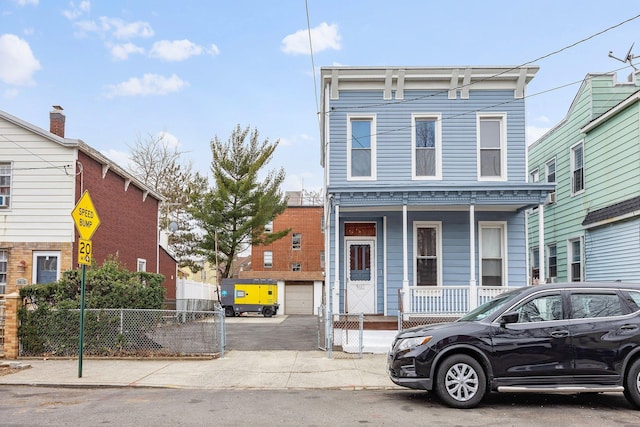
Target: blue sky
124 70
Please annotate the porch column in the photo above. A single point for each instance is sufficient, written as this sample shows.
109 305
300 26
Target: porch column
473 286
335 306
541 250
406 299
384 265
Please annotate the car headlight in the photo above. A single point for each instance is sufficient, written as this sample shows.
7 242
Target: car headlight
411 343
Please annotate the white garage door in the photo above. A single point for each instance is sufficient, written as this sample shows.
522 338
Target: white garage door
298 298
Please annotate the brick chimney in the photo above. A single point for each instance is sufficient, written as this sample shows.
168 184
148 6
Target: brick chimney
56 120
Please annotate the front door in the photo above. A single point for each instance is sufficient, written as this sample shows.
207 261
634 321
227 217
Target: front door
360 295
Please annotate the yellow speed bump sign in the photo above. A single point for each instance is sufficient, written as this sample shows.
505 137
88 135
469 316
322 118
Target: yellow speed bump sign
85 217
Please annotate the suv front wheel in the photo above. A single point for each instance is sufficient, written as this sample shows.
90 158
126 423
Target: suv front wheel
461 382
632 384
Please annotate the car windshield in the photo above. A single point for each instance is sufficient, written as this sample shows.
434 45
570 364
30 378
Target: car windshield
488 307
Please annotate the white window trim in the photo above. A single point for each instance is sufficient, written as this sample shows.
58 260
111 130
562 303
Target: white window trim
546 170
438 118
143 261
570 258
371 117
505 249
427 224
264 260
535 172
503 145
571 158
34 263
547 263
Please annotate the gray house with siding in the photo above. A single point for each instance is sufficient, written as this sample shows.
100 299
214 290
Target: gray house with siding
426 186
589 229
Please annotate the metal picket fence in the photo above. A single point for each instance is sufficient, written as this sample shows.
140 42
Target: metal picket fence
125 332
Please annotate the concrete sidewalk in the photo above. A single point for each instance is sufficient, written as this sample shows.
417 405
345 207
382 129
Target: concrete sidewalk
268 370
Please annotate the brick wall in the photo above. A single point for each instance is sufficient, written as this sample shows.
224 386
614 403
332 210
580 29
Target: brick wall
23 251
128 224
307 221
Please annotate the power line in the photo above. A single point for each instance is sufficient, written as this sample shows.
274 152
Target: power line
313 65
555 52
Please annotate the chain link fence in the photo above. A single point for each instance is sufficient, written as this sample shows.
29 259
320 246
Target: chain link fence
409 320
124 332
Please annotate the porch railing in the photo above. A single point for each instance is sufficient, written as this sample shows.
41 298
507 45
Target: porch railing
454 300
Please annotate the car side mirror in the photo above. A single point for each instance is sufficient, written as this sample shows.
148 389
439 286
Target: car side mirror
510 317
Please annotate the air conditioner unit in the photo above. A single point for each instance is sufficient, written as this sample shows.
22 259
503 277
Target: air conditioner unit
4 201
551 198
553 279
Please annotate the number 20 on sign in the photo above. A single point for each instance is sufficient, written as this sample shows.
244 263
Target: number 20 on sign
85 252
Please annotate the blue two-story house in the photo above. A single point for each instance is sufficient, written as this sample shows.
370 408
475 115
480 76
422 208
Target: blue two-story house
426 186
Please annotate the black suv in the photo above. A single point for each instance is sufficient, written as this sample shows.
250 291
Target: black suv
558 338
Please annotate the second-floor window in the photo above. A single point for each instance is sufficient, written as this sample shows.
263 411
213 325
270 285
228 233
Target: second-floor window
5 185
361 156
142 264
268 259
321 259
268 227
492 146
296 266
577 168
551 170
296 241
534 176
426 157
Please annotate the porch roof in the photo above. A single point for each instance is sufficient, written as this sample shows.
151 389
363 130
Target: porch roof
501 196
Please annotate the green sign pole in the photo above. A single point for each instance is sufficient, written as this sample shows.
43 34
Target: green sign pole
81 344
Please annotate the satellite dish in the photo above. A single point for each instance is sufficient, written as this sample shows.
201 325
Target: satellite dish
173 226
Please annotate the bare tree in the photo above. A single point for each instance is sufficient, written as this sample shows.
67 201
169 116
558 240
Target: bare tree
158 163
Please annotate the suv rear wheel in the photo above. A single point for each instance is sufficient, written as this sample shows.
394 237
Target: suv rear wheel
461 382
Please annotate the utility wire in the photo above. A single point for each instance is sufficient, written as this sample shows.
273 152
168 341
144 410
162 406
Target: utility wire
555 52
313 65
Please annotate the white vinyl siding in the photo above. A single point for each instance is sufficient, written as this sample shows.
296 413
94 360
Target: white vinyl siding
42 187
426 141
361 147
492 147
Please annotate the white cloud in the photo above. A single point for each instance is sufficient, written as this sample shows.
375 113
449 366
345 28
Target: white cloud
177 50
149 84
10 93
543 119
17 63
27 2
121 158
323 37
74 12
169 140
116 27
213 49
534 133
122 51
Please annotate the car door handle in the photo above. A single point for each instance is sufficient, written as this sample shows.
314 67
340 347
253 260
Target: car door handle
629 327
560 334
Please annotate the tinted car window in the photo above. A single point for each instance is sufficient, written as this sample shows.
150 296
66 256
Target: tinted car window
635 296
541 309
584 305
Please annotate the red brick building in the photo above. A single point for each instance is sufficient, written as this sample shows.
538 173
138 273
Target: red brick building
296 261
43 174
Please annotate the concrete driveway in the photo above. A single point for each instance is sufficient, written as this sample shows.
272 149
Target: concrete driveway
254 332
